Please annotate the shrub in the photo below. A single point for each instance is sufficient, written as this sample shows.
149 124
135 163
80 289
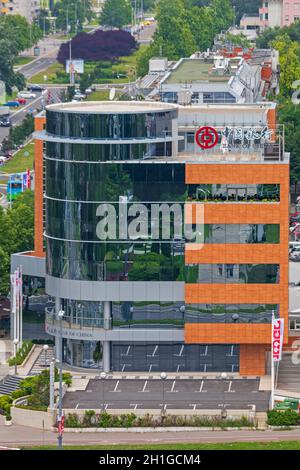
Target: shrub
21 354
105 420
5 405
100 45
89 418
72 421
283 418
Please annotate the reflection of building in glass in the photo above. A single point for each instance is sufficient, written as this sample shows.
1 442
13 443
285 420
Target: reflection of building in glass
151 304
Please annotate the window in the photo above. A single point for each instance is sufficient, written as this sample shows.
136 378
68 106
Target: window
230 313
232 274
241 233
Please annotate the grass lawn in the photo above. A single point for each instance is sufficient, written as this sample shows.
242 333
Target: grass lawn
50 72
98 96
125 65
19 163
22 60
282 445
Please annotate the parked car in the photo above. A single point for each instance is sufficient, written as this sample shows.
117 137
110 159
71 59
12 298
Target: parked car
78 95
26 94
12 104
88 91
35 88
5 121
22 101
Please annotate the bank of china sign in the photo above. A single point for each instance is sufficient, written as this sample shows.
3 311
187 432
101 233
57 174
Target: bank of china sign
233 137
277 338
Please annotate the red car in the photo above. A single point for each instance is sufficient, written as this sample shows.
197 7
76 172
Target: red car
22 101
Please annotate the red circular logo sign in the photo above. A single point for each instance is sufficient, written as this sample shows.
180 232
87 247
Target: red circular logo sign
207 137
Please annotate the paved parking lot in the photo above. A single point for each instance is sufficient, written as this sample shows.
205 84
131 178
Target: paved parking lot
172 394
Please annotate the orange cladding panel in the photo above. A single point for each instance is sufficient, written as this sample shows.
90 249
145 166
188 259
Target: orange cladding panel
39 191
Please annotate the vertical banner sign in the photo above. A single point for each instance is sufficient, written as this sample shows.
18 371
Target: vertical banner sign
277 338
61 425
28 179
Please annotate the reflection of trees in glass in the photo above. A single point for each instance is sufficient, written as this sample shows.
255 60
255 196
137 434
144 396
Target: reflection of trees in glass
98 352
116 182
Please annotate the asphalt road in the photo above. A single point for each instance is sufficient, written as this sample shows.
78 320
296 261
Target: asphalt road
18 116
32 104
15 436
31 69
172 394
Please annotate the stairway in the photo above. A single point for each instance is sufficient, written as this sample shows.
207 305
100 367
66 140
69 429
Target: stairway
288 374
9 384
43 361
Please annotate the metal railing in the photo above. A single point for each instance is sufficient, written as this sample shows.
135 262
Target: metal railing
77 321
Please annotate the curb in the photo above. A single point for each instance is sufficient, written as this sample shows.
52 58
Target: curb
156 430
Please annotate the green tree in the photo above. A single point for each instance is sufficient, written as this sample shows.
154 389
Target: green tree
72 13
18 33
16 233
289 115
289 58
116 13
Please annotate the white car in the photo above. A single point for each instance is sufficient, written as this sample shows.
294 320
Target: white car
26 94
79 96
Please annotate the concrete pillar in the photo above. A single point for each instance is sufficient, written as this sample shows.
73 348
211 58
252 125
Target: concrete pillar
57 309
106 344
106 356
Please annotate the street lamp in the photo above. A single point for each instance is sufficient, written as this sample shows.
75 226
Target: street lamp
60 436
224 413
163 377
16 342
182 310
103 377
45 348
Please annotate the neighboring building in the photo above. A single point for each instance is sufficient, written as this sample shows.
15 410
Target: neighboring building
226 76
27 8
146 303
279 13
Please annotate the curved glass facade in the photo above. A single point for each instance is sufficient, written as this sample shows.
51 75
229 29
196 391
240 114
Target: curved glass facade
110 126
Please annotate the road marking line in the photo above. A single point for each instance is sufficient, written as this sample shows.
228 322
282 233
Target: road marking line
229 388
115 390
144 388
134 404
123 368
154 351
201 388
172 389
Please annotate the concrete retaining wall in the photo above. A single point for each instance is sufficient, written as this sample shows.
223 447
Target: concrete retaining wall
33 419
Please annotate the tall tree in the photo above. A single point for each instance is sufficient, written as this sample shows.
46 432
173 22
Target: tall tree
72 13
289 58
116 13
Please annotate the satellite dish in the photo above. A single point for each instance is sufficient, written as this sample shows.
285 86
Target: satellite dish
112 94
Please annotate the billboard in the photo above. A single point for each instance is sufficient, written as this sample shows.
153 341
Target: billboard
75 66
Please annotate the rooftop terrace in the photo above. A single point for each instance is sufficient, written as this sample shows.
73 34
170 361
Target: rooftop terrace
197 71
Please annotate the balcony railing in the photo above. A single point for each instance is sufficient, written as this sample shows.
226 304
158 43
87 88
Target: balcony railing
77 322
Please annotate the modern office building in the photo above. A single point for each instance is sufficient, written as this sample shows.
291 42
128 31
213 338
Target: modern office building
138 299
